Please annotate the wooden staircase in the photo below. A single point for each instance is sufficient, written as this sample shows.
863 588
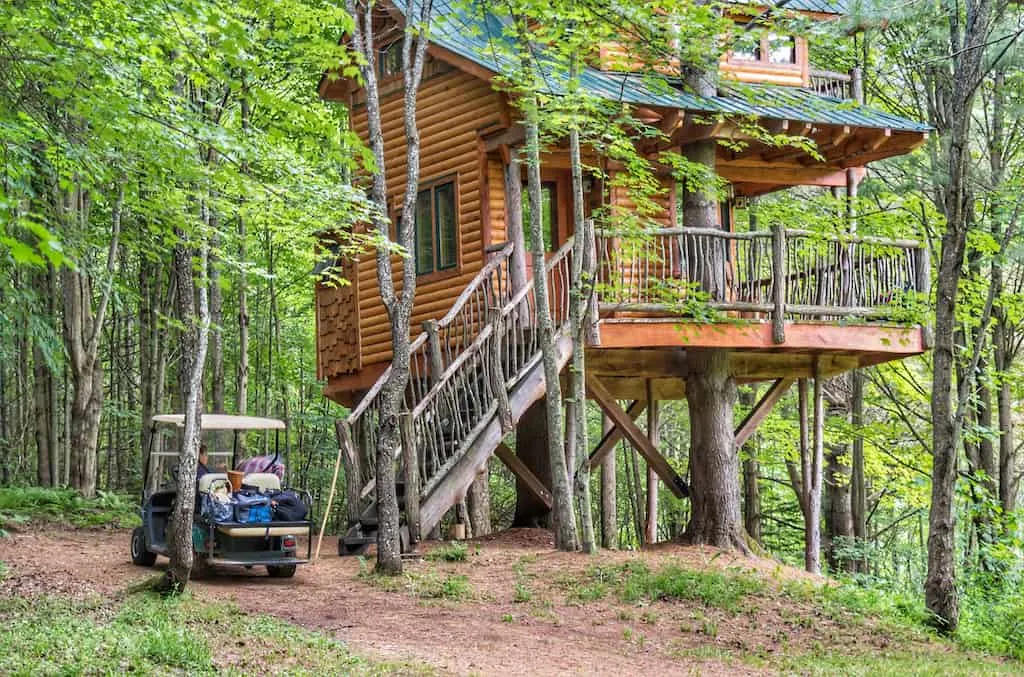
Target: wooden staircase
473 374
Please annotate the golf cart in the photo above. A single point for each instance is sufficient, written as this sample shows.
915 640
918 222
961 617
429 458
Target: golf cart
238 518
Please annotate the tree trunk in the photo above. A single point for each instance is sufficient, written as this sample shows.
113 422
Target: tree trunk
714 463
532 450
837 500
967 44
654 435
193 342
609 512
561 490
478 503
751 473
216 325
858 483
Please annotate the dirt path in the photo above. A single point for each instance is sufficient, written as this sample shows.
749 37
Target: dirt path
516 615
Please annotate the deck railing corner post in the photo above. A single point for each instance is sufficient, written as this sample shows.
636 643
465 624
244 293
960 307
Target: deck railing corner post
779 278
410 458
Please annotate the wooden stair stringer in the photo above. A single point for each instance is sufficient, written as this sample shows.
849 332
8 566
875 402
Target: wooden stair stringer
474 456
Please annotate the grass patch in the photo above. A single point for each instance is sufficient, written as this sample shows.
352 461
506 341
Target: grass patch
23 505
149 634
634 581
427 585
455 551
883 663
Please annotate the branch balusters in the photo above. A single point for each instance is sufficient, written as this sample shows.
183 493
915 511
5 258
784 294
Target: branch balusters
777 274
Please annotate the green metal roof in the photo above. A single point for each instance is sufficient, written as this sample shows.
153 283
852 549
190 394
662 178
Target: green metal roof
479 35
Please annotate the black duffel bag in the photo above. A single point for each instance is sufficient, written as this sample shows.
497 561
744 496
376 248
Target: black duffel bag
288 507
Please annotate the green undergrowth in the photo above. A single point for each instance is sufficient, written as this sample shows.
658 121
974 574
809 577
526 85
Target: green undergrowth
634 581
20 506
423 584
456 551
147 634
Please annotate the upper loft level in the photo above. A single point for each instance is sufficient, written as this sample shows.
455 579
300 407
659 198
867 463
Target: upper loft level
764 54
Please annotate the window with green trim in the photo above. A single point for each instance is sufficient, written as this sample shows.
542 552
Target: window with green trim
436 229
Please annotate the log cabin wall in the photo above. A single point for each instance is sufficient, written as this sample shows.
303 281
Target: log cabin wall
453 107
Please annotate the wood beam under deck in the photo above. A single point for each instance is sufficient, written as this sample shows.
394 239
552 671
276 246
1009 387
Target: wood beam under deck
614 435
524 474
636 437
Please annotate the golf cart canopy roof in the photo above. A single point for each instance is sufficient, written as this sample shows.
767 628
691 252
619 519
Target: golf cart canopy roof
224 422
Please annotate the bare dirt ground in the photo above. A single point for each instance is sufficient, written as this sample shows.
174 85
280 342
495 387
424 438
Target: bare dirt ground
518 613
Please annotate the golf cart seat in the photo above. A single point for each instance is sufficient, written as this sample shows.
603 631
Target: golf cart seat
210 481
264 481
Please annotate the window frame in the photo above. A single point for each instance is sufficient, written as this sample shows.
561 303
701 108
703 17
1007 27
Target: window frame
764 54
455 266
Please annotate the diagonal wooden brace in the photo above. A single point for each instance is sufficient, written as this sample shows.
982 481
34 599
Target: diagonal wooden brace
525 475
762 409
612 437
636 437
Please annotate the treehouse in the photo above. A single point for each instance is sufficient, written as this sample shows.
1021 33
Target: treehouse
785 303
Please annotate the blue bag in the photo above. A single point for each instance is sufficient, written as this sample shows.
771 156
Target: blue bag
251 508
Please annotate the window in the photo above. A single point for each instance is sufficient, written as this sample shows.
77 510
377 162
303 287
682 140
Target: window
389 60
436 238
778 50
549 215
781 49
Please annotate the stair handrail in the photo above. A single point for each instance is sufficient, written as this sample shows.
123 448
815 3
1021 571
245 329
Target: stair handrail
500 257
446 386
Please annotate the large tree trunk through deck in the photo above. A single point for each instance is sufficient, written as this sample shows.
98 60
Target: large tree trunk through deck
837 479
531 448
714 464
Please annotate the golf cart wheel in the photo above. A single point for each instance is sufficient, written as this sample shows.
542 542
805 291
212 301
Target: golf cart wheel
282 571
140 556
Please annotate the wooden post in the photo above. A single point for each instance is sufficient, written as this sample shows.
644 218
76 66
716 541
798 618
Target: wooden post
857 86
514 222
779 284
609 516
353 474
922 271
497 372
434 351
412 475
651 528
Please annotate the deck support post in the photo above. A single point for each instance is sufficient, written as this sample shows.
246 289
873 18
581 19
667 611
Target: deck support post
609 512
778 284
651 528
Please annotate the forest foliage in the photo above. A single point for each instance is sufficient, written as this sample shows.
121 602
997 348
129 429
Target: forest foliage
127 125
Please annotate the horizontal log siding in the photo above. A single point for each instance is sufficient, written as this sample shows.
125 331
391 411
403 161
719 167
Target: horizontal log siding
496 199
452 108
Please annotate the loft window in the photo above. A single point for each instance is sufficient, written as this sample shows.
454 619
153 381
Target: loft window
436 229
389 60
778 50
549 216
781 49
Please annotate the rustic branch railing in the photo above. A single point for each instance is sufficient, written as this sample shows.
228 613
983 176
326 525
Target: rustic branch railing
475 385
781 273
831 83
429 353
